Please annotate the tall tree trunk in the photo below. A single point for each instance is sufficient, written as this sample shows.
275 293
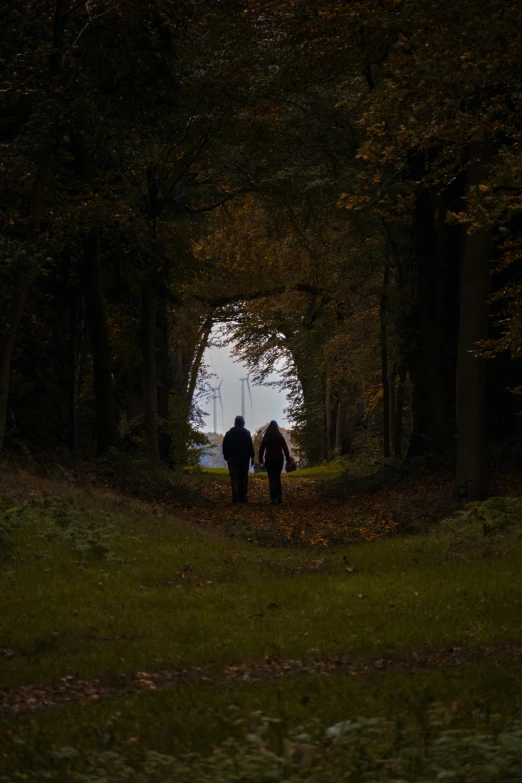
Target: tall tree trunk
383 315
392 391
163 364
331 412
204 337
177 371
472 473
8 339
150 383
75 332
164 370
399 412
339 429
435 260
107 431
25 269
22 281
422 435
350 414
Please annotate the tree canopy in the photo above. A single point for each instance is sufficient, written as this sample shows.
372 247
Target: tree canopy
337 185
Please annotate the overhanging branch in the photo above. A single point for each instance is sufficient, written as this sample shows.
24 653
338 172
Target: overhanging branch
250 296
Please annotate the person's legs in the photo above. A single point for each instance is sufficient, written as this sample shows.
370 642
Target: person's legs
234 480
277 481
274 468
243 480
247 468
269 470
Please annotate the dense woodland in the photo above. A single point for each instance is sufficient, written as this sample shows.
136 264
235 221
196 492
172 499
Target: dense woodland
333 183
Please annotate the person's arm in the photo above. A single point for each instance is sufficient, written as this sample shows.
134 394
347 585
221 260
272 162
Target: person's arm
285 447
225 446
252 450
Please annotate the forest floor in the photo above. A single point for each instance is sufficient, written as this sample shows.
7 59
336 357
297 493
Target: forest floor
210 641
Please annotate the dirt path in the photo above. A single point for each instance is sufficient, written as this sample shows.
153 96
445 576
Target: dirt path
306 518
34 697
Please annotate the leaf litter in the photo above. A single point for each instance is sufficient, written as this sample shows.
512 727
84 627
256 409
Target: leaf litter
304 519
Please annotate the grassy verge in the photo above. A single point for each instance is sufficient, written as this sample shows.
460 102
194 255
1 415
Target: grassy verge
326 470
160 593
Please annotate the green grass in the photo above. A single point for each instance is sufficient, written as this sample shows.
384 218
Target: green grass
326 470
221 474
172 598
216 472
170 595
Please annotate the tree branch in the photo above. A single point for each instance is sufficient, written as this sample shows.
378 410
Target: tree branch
222 301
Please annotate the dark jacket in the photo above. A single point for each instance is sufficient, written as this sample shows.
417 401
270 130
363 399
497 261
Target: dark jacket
272 447
238 445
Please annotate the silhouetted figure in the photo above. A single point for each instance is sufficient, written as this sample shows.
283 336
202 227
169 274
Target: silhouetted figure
238 450
272 448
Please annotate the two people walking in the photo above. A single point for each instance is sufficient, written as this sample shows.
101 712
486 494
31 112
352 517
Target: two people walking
238 451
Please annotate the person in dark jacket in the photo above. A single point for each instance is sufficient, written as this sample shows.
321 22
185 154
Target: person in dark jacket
238 450
271 451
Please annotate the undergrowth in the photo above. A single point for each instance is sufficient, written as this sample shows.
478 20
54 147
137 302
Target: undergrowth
135 476
57 519
490 527
356 750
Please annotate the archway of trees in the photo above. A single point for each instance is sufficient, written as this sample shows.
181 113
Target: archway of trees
338 184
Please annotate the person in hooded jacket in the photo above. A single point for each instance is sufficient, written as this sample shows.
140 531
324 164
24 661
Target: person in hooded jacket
273 447
238 450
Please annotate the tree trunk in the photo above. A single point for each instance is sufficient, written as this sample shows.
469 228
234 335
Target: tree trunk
435 262
163 365
399 410
150 383
22 280
8 339
392 391
107 431
204 336
342 443
421 410
472 473
177 372
331 412
24 272
350 414
383 314
75 332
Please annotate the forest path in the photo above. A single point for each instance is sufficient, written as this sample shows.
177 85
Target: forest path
317 513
